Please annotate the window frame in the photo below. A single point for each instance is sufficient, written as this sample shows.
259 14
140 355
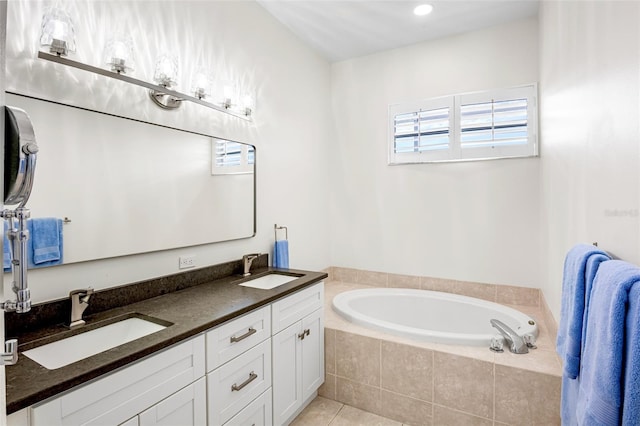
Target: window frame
455 152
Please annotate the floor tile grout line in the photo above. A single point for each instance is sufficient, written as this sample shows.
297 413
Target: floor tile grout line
336 415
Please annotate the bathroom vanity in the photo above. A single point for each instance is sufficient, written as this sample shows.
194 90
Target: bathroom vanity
232 354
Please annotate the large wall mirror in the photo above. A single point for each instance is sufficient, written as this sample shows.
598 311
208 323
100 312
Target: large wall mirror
127 186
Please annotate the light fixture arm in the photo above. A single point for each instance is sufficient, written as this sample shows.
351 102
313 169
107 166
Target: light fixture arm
152 87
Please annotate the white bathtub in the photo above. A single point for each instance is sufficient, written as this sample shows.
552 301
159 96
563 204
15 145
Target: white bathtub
430 315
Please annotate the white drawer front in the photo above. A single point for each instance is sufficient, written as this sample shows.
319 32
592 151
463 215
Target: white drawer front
257 413
232 386
121 395
232 338
296 306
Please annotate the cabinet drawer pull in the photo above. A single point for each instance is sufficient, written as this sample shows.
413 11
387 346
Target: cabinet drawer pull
304 333
235 339
252 377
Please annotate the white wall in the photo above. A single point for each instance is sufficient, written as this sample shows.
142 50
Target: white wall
475 221
291 127
589 86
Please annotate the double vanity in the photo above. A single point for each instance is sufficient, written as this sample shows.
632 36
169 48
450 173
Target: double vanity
215 348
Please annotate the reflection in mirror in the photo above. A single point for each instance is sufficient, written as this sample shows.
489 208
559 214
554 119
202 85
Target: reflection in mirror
129 187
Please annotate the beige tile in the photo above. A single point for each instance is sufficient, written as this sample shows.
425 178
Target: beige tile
479 290
463 384
358 358
407 410
549 319
465 288
527 398
329 272
350 416
403 281
320 411
407 370
330 351
443 416
328 388
371 278
436 284
518 295
345 274
358 395
537 361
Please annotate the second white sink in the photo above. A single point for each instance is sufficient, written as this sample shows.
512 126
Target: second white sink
268 282
66 351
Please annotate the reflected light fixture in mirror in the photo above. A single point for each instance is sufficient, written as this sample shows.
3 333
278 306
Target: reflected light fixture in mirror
423 10
58 33
201 84
166 75
118 54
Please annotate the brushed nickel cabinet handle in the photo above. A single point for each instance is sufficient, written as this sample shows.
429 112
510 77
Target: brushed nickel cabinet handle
252 377
235 339
306 332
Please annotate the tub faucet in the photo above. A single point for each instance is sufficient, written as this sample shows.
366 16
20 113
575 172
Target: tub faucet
79 302
517 345
247 260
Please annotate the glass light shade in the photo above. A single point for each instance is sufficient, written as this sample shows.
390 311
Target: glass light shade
118 55
247 104
229 95
58 32
201 84
166 73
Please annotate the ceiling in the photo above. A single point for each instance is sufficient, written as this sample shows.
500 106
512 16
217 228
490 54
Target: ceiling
346 29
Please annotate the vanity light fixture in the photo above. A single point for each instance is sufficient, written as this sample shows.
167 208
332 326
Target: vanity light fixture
57 32
247 104
229 95
423 9
118 55
166 75
201 84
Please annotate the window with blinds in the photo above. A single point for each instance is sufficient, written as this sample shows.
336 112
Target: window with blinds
474 126
231 157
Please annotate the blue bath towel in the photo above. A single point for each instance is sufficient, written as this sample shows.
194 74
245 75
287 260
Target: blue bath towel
281 254
45 242
631 400
580 266
602 376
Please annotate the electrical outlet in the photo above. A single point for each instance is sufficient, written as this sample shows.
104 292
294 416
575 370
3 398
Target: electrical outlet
185 262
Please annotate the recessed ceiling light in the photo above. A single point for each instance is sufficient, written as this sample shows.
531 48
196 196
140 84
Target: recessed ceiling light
423 9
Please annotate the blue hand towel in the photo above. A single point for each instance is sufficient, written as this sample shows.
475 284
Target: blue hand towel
601 376
6 249
281 254
45 242
580 266
631 400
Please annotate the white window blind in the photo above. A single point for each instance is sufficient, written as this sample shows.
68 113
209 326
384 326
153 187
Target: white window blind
476 126
231 157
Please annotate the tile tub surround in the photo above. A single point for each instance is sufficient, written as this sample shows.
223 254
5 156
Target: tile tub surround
429 383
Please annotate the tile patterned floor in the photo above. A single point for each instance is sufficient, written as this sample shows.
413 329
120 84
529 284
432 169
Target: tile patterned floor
324 412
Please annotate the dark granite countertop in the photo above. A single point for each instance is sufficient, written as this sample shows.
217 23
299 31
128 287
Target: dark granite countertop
191 310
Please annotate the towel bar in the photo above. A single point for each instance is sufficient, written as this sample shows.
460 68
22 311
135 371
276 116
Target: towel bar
275 231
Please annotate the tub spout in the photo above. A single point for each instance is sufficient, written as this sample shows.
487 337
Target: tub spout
517 345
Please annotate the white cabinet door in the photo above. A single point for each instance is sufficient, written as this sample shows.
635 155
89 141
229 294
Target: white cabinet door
312 353
187 407
287 392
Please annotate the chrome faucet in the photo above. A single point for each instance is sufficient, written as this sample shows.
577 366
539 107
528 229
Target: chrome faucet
247 260
517 344
79 302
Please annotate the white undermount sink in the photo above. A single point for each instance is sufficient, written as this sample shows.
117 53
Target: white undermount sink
66 351
267 282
